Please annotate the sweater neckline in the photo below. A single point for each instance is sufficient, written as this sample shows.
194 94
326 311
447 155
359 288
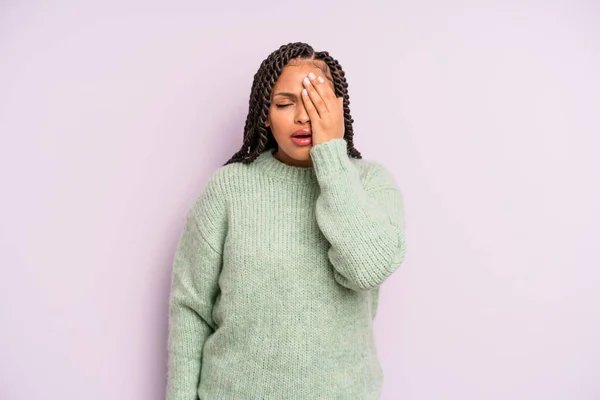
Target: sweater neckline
267 162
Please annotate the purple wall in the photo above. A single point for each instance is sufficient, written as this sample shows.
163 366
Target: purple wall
114 114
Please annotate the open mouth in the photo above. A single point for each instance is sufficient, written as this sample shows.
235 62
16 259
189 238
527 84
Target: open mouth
302 140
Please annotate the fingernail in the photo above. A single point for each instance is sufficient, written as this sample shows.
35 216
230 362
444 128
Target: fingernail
321 80
311 75
304 92
306 81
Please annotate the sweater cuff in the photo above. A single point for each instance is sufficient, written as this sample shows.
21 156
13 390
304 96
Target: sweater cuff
331 156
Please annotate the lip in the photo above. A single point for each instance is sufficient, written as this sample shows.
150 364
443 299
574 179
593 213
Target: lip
302 142
304 131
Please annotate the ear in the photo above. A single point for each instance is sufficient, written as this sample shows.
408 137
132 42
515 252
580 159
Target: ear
268 121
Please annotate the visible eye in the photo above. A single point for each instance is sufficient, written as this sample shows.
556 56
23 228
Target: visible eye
282 105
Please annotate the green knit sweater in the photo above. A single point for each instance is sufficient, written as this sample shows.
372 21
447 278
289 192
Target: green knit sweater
276 279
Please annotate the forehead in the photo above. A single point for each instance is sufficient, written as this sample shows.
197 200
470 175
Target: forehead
292 75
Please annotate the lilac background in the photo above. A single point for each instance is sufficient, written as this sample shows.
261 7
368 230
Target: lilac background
114 114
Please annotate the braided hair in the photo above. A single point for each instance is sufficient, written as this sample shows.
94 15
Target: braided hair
257 136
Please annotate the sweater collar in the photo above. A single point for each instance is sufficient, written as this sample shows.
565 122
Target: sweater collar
279 170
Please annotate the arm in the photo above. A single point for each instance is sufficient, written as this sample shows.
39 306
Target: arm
363 222
194 289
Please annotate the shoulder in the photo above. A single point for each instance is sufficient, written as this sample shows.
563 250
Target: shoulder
209 209
212 199
224 179
222 185
220 182
375 174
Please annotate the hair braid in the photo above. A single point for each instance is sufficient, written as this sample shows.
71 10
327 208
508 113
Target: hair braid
341 90
257 136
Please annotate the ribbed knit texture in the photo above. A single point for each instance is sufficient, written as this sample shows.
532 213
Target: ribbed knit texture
276 280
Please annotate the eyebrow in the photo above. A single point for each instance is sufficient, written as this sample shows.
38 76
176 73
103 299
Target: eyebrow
286 94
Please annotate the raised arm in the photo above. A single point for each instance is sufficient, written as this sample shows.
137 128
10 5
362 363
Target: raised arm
363 221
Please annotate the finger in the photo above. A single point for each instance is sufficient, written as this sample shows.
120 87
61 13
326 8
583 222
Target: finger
325 90
316 99
310 108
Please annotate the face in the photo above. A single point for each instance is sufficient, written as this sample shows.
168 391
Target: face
287 113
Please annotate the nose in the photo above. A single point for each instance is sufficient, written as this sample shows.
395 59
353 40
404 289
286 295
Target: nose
302 116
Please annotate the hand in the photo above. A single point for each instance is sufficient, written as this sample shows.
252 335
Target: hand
326 111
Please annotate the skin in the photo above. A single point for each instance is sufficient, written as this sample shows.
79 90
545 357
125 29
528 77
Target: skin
318 110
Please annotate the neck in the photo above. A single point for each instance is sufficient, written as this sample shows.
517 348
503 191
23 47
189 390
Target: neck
281 171
286 159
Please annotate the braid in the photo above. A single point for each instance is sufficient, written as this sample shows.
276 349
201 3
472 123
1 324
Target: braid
341 90
257 136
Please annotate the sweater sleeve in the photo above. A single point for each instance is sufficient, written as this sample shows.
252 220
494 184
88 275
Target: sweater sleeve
194 288
363 221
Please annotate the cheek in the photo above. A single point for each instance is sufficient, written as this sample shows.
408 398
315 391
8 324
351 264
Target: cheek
280 119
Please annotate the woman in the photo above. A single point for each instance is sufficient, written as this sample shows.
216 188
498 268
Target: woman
277 272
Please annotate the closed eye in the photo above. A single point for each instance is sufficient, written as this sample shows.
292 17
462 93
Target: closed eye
282 105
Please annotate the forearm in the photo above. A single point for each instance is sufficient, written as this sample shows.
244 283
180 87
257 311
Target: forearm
362 222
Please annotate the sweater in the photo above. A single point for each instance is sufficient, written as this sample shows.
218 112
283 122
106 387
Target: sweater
276 279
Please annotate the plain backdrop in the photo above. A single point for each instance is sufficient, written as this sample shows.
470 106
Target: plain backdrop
113 115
